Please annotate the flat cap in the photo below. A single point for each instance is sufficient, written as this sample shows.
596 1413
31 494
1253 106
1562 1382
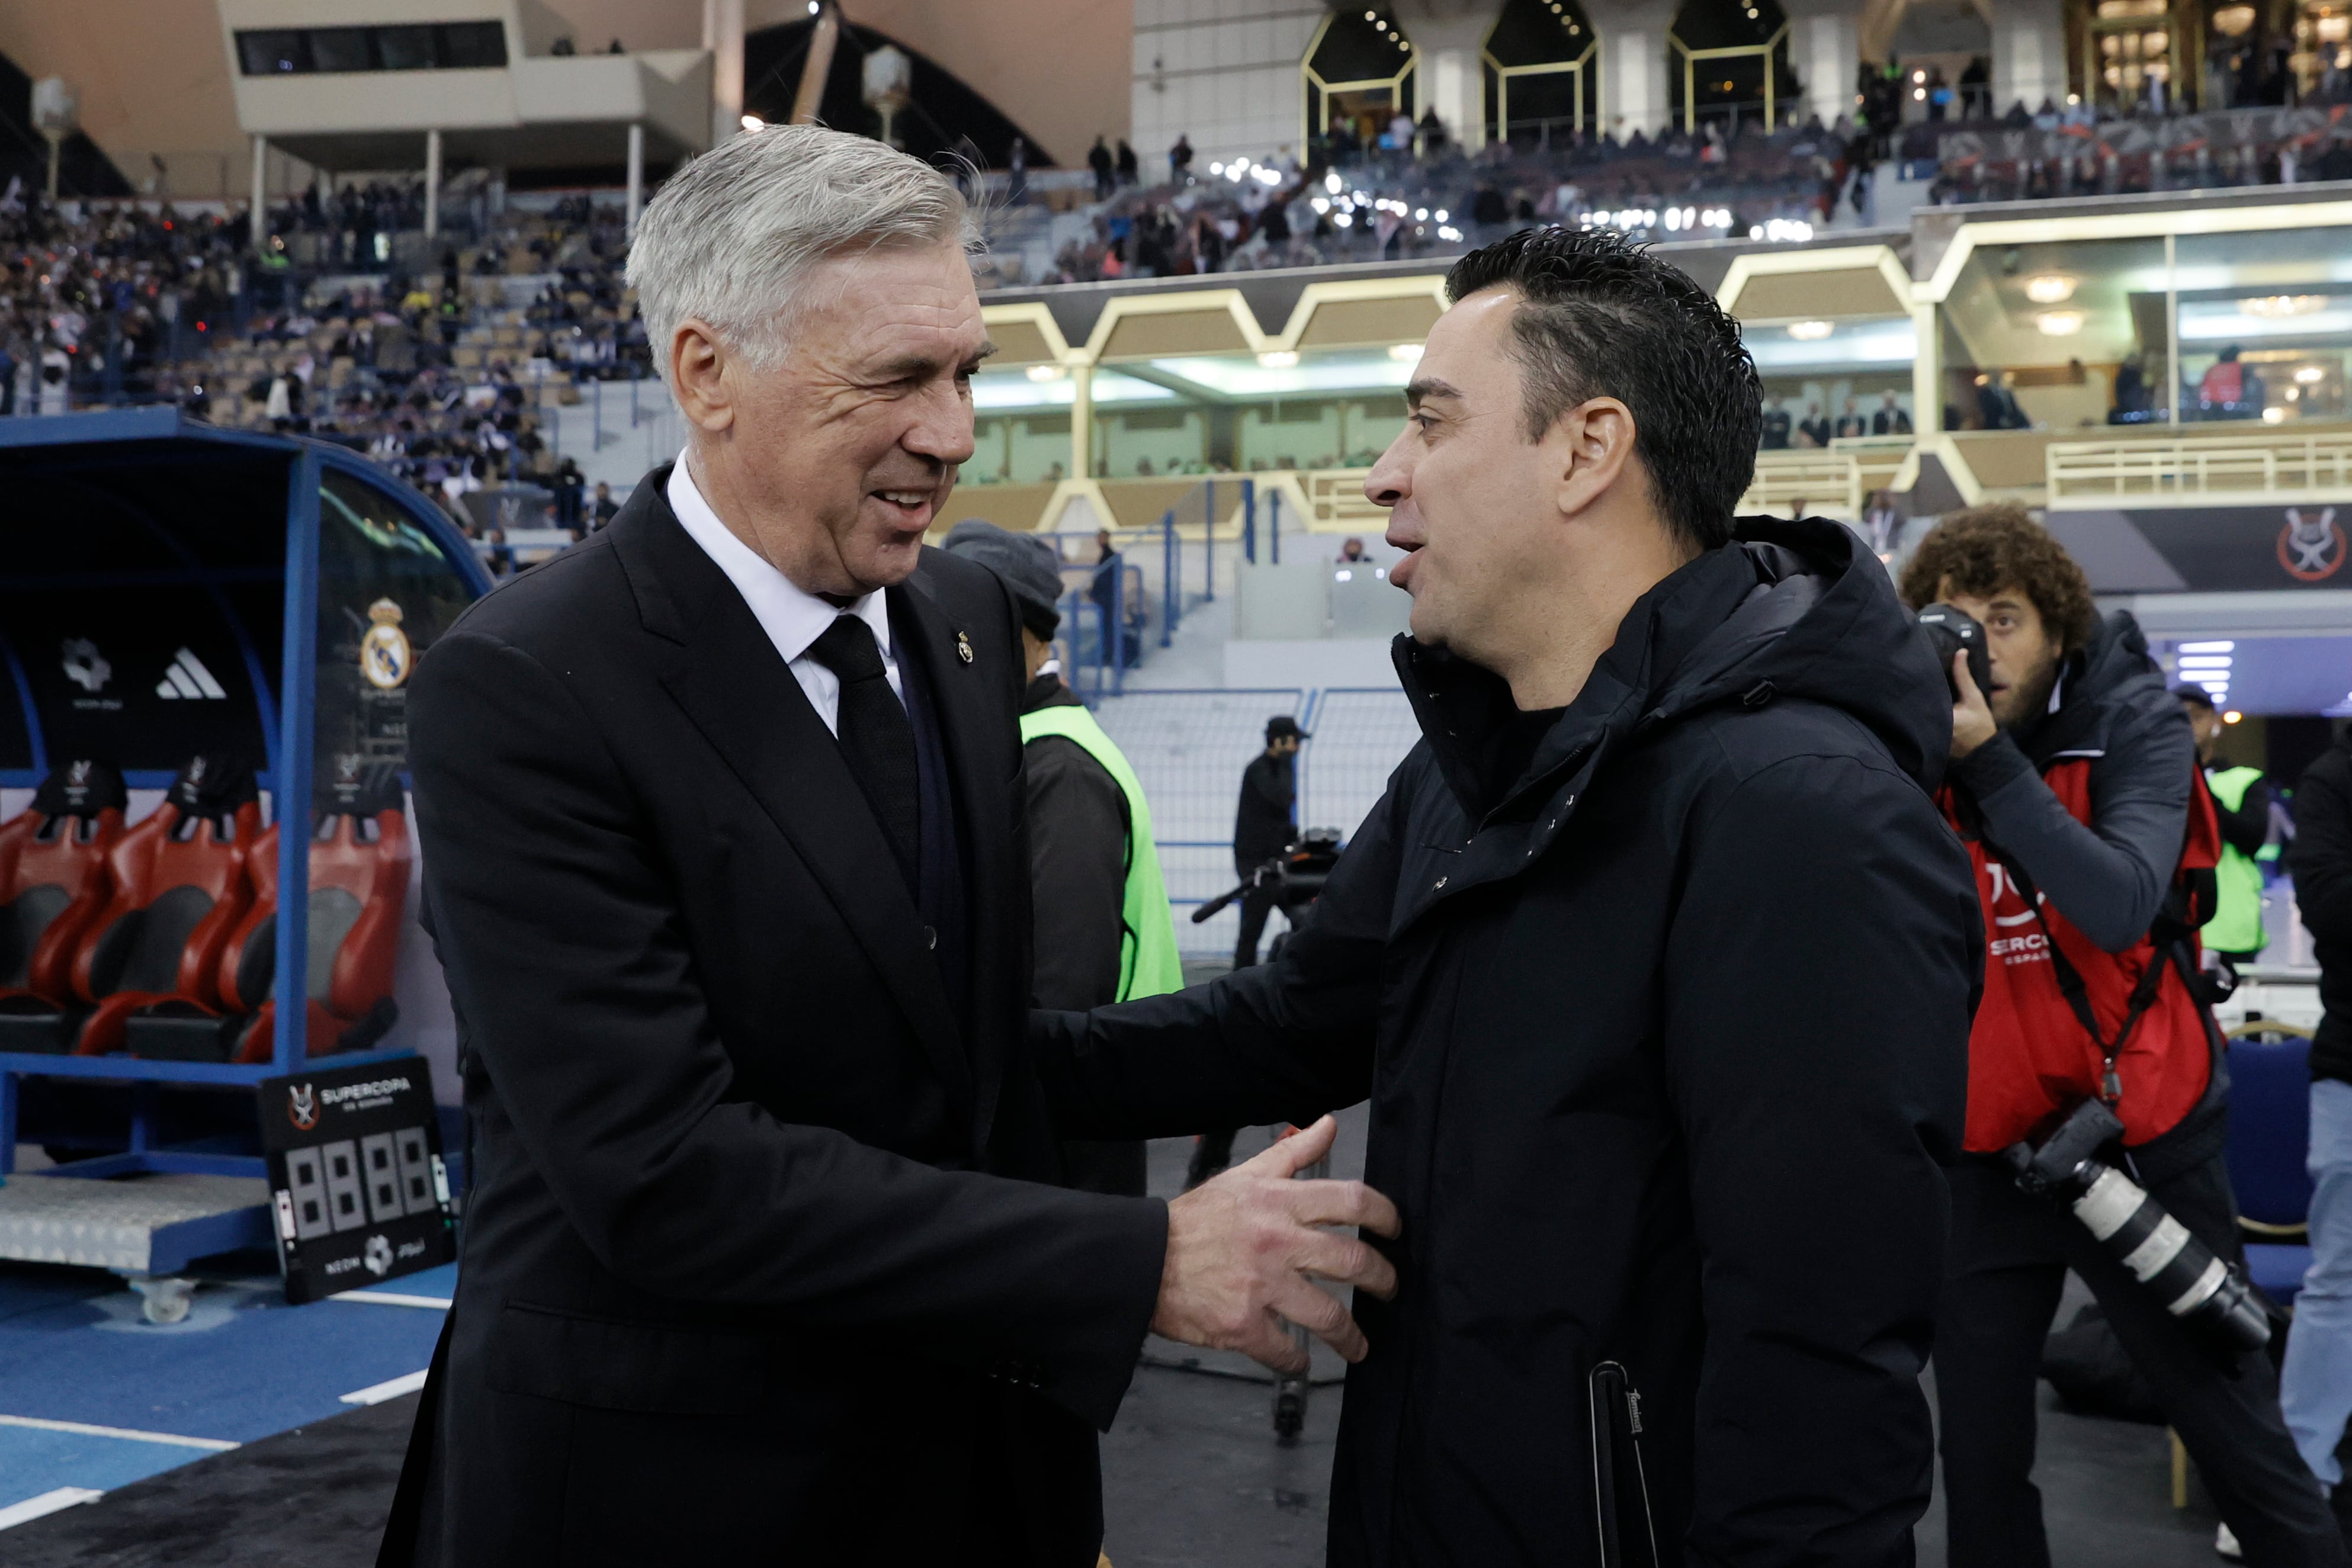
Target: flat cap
1027 563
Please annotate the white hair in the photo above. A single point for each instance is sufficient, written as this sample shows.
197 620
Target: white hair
734 235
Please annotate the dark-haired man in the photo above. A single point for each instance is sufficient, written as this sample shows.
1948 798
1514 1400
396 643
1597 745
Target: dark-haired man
1655 960
2074 782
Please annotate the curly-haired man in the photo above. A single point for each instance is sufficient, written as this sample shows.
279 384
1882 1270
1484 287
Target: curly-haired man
2074 783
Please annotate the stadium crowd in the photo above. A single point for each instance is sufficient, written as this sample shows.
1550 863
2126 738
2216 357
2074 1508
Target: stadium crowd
442 375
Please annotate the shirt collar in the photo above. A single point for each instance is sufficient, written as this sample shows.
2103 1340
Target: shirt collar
792 617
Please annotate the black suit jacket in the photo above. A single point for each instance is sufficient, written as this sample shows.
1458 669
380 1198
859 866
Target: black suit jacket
744 1276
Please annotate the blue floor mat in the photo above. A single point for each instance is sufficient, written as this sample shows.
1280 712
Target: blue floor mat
33 1462
244 1366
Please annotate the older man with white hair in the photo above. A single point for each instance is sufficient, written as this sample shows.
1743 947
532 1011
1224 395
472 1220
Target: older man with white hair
726 865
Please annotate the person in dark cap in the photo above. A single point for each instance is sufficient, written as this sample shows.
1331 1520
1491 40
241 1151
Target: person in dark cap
1099 910
1266 824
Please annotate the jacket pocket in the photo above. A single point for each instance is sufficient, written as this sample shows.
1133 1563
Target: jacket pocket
613 1364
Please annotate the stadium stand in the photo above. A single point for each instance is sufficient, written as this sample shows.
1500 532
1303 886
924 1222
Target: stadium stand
2119 300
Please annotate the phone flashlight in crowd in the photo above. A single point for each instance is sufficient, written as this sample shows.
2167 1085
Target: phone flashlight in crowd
2132 1228
1950 631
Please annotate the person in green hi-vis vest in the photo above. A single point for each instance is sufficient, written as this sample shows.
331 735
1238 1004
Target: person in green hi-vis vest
2242 801
1103 932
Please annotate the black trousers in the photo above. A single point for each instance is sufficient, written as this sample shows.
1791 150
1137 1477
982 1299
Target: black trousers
2009 1261
1257 905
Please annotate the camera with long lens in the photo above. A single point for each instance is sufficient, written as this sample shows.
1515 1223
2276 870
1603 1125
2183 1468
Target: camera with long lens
1952 631
2217 1307
1294 876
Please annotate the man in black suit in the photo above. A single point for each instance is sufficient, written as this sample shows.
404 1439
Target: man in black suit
726 864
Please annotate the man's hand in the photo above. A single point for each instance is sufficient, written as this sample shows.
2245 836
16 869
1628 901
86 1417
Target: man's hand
1242 1248
1972 721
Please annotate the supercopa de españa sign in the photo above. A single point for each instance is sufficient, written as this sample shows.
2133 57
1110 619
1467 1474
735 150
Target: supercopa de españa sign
358 1190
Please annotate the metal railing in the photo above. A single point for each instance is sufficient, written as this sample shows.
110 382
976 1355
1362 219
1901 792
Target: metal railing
1823 481
1188 748
2198 466
1336 501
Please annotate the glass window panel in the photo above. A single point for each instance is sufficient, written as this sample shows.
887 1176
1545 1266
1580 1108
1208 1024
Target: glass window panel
1830 379
340 50
1020 426
1236 413
2057 337
386 590
404 48
276 52
2264 324
472 44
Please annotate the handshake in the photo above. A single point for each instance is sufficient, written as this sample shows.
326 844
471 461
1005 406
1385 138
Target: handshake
1245 1249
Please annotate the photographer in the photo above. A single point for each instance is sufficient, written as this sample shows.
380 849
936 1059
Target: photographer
1266 824
2073 781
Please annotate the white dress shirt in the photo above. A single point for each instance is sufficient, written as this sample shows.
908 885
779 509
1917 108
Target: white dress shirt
792 617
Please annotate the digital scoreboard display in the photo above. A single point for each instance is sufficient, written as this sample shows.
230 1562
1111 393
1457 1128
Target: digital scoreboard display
359 1193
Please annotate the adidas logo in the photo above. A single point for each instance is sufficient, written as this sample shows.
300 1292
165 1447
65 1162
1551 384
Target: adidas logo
187 677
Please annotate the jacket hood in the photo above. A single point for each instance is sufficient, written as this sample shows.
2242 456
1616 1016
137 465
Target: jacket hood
1822 621
1788 609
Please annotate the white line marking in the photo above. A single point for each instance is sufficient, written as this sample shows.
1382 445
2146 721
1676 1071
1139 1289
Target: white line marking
33 1507
381 1392
390 1298
211 1445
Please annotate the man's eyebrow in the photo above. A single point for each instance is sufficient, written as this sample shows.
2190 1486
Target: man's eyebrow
909 367
1429 387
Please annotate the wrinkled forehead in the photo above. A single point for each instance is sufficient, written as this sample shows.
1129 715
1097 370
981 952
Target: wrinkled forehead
893 302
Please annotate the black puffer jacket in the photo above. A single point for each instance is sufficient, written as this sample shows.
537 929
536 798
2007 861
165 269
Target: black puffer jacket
1665 1040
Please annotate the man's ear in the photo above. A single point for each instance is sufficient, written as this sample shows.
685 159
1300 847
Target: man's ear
1594 442
698 362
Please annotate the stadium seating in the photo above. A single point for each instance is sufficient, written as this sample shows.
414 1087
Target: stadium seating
53 884
181 885
359 881
2270 1130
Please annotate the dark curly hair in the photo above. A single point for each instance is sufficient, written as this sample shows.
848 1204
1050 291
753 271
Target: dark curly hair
1601 316
1983 550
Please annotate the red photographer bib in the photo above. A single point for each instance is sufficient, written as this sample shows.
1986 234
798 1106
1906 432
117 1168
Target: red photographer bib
2030 1060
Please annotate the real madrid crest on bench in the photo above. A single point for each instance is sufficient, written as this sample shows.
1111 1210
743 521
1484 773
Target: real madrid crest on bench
385 654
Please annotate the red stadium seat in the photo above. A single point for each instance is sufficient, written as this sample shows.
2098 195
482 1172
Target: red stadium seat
359 886
53 884
180 888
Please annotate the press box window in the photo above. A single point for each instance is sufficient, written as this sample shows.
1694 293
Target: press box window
441 46
277 52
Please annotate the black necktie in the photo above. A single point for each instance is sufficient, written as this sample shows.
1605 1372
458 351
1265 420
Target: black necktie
876 738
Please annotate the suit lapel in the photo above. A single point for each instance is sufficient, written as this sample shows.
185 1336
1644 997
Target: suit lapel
747 704
963 690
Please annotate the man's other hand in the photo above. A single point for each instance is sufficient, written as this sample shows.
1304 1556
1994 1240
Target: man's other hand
1972 720
1245 1249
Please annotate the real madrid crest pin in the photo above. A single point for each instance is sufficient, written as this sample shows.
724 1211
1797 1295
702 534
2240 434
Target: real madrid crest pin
964 647
385 652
